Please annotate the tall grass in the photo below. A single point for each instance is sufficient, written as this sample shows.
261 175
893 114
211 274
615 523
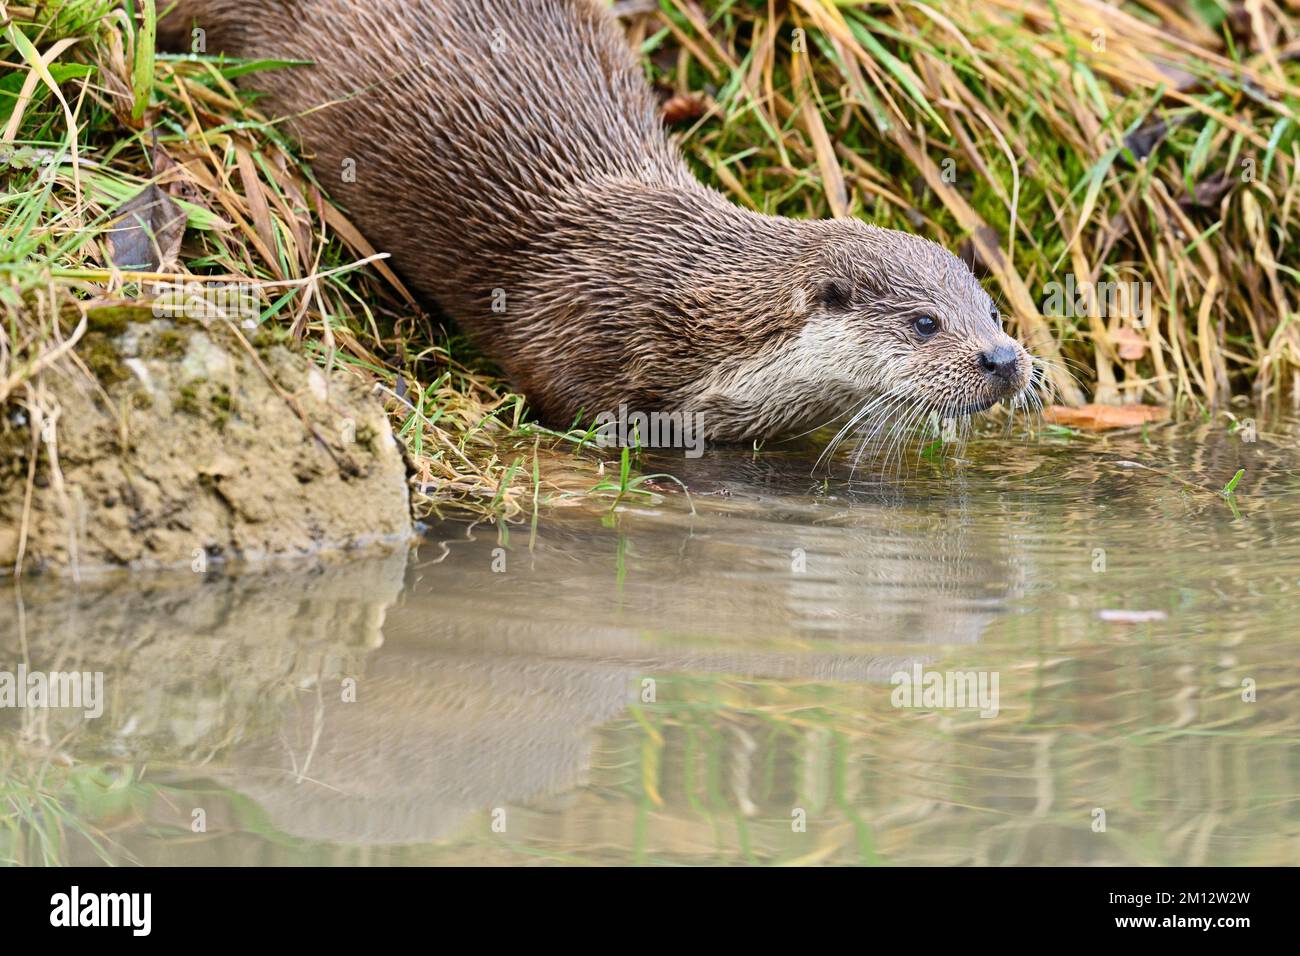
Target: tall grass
1147 141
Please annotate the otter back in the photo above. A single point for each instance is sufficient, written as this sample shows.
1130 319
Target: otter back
449 130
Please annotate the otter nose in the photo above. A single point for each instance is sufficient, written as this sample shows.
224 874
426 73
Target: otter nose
1000 363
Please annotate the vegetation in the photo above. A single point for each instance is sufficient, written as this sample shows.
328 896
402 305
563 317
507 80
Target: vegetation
90 116
1063 142
1068 142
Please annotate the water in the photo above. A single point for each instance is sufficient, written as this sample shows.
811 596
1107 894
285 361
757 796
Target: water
664 687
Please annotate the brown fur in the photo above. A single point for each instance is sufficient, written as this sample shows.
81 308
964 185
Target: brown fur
514 152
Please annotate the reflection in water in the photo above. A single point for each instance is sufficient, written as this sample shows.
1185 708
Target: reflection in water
706 688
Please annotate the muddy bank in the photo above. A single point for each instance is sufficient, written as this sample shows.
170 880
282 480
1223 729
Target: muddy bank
186 446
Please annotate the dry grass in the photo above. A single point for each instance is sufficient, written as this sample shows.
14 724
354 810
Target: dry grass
1147 141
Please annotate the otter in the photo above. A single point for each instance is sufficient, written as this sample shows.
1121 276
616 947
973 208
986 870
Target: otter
513 161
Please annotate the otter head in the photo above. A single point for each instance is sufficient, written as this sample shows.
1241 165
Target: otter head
923 326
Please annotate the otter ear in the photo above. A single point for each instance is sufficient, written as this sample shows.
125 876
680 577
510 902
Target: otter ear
834 293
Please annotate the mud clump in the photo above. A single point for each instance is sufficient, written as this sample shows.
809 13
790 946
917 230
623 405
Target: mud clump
185 447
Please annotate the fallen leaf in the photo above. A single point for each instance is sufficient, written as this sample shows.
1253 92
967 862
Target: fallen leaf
1209 191
174 178
1129 345
1145 138
1100 418
148 231
682 107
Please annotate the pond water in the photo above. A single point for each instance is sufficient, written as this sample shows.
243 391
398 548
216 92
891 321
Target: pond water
1106 652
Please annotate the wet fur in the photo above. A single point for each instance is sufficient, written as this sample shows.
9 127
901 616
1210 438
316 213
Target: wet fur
515 150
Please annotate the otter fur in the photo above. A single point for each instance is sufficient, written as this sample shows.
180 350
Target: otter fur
512 159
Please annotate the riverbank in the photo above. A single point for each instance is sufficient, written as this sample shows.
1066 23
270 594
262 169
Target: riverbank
228 370
191 445
1127 185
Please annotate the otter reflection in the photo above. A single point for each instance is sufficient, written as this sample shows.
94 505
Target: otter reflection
389 701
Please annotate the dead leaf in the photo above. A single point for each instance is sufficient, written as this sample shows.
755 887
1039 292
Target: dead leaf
682 107
175 179
147 231
1129 345
148 227
1100 418
1209 191
258 209
1145 138
837 196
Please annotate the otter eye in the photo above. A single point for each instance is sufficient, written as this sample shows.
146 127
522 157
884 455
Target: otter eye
925 325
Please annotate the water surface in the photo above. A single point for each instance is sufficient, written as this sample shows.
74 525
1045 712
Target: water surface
666 687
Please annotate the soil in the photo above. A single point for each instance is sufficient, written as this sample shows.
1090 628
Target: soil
185 445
